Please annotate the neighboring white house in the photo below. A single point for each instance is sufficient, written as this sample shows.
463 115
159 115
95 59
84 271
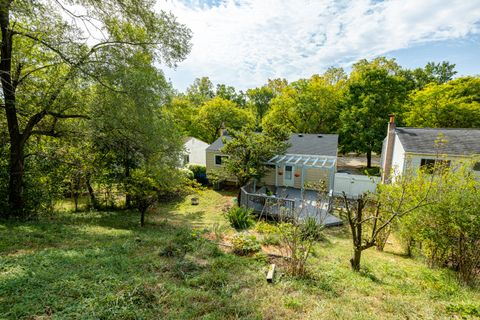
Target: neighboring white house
194 151
411 148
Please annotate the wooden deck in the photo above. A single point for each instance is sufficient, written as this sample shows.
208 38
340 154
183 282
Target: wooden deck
289 202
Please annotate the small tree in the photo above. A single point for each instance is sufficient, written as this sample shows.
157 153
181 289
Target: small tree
248 151
144 189
370 216
300 228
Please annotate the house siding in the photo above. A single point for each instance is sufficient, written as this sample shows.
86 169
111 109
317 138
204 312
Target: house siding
269 178
211 166
398 158
195 149
312 175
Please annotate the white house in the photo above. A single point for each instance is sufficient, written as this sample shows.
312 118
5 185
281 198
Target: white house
194 151
411 148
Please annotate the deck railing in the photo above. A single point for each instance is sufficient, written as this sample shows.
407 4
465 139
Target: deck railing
261 203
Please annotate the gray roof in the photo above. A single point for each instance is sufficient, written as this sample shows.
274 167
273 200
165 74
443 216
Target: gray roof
305 144
423 140
218 144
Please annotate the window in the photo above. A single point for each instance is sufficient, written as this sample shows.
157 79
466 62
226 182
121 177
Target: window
430 165
186 159
219 160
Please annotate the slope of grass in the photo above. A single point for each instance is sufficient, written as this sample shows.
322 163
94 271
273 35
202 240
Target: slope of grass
104 266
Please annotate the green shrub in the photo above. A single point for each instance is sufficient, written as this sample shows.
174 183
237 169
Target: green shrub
240 218
187 173
465 310
199 173
271 240
311 230
244 244
266 228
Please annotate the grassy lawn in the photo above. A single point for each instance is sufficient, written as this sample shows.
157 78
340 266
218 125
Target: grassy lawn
104 266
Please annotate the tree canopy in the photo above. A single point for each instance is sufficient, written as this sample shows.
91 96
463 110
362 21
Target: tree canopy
375 90
454 104
308 106
46 67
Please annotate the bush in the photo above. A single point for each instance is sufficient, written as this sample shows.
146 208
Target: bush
266 228
271 239
311 230
240 218
199 173
245 244
187 173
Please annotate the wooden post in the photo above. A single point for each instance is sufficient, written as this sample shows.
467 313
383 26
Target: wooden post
303 179
271 273
276 176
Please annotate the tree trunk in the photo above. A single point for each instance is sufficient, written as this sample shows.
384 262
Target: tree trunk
15 186
93 200
369 158
75 200
355 261
128 196
239 197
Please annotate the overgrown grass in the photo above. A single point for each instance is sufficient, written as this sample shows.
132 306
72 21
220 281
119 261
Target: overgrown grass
104 266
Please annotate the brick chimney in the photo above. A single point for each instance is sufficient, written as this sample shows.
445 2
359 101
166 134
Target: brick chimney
223 131
390 144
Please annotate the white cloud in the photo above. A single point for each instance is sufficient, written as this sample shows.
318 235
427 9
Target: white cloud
243 43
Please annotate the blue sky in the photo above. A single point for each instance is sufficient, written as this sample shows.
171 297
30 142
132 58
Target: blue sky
244 42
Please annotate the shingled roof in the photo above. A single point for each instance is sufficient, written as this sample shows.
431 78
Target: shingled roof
423 140
304 144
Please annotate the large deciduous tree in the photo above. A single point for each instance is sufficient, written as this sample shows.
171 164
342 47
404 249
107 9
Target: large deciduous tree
308 106
375 89
259 101
438 73
455 104
47 46
130 123
218 112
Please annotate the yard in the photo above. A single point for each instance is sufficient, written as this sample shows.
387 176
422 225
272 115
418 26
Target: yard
104 266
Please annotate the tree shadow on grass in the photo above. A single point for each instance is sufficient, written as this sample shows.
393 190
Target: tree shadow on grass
111 276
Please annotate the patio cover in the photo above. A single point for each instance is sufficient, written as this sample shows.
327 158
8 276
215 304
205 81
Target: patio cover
303 161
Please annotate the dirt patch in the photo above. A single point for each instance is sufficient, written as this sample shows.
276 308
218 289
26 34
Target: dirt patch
356 161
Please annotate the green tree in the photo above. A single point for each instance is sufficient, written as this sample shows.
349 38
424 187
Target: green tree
200 91
130 123
229 93
184 113
217 112
40 60
437 73
447 231
248 151
371 215
455 104
308 106
259 101
375 89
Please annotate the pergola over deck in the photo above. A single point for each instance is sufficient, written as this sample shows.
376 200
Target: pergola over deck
305 161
